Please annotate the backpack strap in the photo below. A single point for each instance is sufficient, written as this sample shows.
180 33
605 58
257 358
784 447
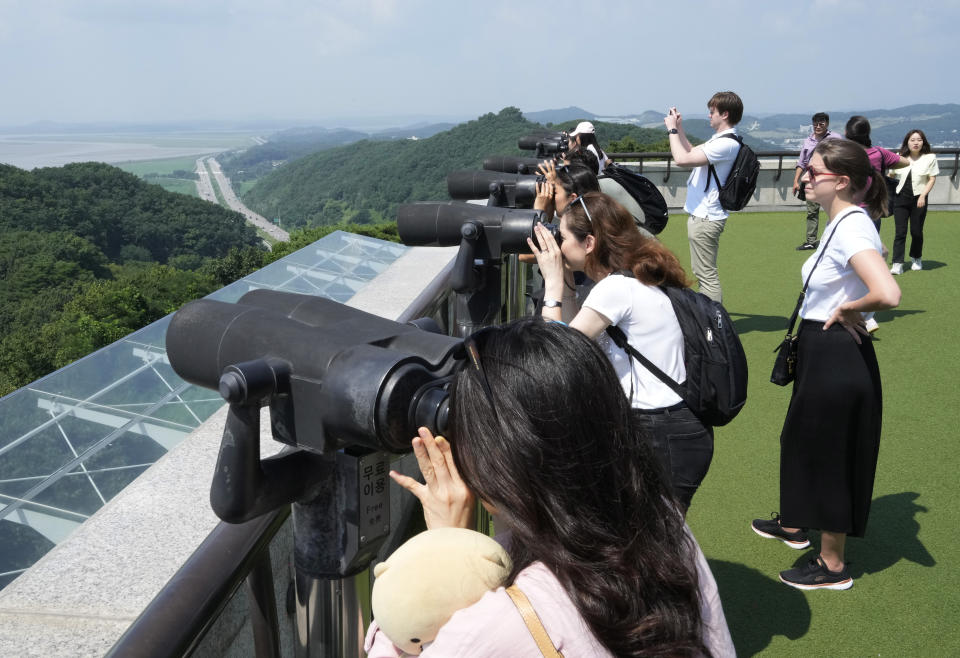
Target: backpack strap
712 171
620 340
532 620
803 292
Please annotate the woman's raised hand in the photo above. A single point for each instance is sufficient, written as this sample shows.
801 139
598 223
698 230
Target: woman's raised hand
549 257
446 500
548 170
545 193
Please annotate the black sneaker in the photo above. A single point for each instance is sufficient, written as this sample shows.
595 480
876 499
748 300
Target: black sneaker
771 529
808 246
815 575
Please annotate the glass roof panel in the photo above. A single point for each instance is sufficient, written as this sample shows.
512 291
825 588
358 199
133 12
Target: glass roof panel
72 440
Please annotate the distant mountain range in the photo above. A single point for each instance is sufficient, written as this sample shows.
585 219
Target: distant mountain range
940 123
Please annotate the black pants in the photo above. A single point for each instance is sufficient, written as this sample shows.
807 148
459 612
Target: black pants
906 212
683 445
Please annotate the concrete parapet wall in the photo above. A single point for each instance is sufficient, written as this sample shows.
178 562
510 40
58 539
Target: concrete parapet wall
81 597
776 193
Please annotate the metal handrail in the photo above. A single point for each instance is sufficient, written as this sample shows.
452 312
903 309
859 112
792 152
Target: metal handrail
175 622
666 155
178 618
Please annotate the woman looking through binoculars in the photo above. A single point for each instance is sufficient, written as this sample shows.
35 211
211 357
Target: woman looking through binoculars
562 184
599 237
542 435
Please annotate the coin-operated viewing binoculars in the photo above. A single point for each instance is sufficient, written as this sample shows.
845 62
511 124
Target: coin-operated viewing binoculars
344 388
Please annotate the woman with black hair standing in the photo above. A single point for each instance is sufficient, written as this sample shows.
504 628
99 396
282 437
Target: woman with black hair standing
831 435
910 201
542 435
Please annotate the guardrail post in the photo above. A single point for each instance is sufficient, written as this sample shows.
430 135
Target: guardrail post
263 607
329 619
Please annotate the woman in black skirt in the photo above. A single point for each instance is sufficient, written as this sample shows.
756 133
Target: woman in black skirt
831 435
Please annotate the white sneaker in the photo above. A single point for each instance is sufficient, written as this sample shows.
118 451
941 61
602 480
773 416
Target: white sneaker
872 325
897 268
917 265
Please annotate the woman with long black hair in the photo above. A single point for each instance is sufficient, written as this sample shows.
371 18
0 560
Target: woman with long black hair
542 435
831 435
599 237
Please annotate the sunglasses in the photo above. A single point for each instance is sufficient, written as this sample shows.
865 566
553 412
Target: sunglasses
585 209
813 173
473 353
820 123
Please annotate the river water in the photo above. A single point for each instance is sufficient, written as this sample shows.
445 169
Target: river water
30 151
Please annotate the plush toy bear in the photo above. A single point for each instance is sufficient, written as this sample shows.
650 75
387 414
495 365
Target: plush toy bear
431 576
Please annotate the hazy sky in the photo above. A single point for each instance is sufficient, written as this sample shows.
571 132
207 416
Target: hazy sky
159 60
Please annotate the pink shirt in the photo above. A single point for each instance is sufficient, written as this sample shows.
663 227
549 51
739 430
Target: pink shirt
493 627
881 158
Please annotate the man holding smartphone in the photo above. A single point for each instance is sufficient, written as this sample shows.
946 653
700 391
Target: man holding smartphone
706 216
821 125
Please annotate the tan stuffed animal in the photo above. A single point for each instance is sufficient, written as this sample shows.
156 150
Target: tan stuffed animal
431 576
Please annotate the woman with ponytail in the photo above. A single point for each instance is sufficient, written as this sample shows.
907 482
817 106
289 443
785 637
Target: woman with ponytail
881 159
600 238
831 435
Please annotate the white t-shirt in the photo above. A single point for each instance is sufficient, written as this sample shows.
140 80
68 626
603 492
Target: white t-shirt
721 152
602 159
834 281
646 316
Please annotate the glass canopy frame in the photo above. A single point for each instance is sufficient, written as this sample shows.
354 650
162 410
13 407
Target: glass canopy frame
72 440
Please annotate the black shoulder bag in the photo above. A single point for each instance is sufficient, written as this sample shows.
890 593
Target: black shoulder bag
785 365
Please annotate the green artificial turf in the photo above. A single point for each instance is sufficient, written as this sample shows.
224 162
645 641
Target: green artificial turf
906 596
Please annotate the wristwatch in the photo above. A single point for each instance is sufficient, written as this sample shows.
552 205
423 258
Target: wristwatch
552 303
672 131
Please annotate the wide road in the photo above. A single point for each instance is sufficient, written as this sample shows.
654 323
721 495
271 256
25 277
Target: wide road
226 189
204 184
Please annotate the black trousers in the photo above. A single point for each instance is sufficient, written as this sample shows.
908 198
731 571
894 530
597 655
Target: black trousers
682 444
905 212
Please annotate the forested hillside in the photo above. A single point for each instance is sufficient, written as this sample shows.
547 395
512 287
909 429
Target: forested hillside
126 218
365 181
89 253
284 146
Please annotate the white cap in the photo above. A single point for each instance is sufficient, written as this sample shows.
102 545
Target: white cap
583 127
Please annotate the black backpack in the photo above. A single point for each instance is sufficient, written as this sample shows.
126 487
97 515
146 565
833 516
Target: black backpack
736 192
645 193
716 386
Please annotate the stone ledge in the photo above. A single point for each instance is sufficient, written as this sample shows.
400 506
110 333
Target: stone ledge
82 596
